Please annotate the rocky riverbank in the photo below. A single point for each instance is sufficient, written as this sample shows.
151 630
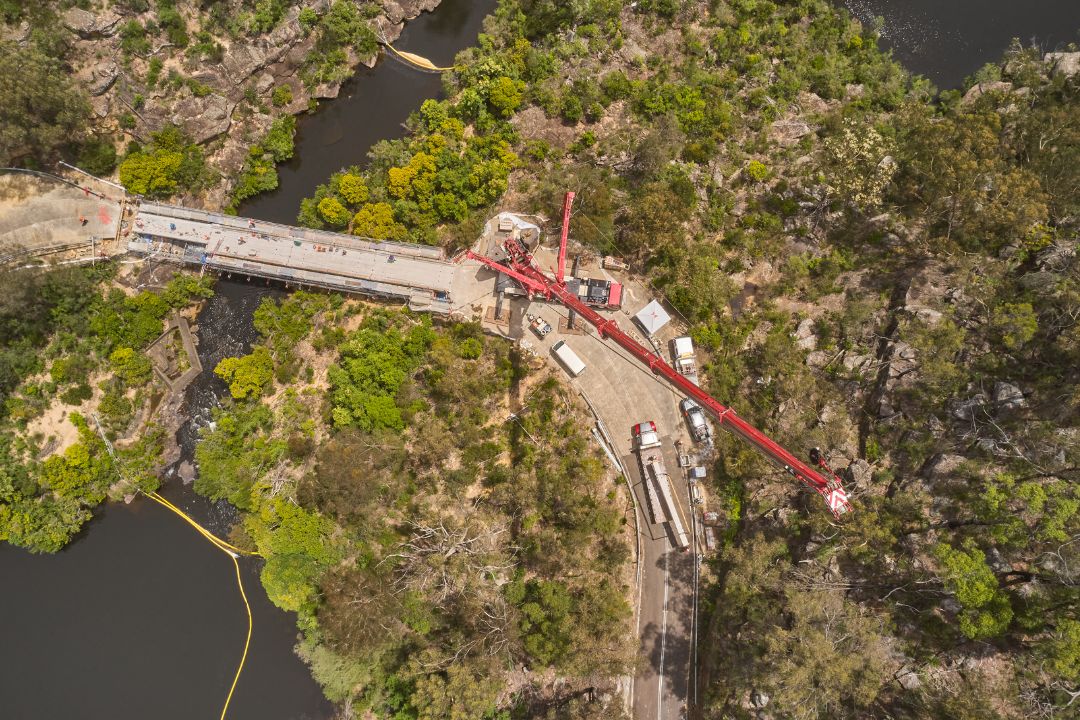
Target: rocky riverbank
224 88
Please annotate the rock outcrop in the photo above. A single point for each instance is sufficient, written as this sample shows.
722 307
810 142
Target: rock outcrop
89 26
1063 63
203 118
202 97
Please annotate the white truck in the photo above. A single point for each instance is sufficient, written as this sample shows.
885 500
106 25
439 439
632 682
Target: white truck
568 358
682 353
657 482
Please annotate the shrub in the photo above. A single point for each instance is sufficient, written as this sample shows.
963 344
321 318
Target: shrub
133 38
757 171
570 109
281 96
153 73
97 157
308 18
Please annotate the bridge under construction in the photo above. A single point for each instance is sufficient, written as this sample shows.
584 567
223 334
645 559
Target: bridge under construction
418 275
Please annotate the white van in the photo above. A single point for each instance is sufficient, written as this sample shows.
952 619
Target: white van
569 358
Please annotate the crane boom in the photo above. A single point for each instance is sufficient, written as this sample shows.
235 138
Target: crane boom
560 276
522 268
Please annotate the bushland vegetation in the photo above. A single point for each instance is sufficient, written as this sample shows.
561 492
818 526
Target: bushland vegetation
873 267
429 538
63 337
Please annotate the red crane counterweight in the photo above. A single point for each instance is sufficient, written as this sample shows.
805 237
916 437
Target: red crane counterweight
522 268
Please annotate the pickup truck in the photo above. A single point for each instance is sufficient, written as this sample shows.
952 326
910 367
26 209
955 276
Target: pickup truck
695 418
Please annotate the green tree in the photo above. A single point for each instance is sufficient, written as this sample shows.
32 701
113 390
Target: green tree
1062 650
986 609
333 212
353 189
1015 323
376 221
152 174
170 163
249 375
40 108
290 581
955 174
505 95
465 691
131 366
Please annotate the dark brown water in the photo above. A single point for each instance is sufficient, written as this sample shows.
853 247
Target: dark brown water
140 617
372 107
948 40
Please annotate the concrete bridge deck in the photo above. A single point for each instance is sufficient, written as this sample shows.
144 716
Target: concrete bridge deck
416 274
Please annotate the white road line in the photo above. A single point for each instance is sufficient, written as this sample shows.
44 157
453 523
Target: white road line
663 644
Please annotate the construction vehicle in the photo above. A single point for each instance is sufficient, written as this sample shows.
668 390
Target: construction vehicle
568 358
695 418
601 293
519 264
682 353
657 482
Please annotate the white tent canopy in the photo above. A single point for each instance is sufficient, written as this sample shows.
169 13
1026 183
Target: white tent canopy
652 317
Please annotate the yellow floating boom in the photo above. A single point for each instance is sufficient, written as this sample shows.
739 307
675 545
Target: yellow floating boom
417 60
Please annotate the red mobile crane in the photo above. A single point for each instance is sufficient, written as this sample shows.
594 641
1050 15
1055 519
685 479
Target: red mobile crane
521 266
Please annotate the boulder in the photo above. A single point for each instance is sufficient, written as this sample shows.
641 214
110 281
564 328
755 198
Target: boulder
1008 397
788 132
102 78
805 338
19 34
812 104
1056 256
187 471
100 106
203 117
966 409
1064 63
853 361
908 679
979 89
859 473
942 465
759 699
1040 282
87 25
264 83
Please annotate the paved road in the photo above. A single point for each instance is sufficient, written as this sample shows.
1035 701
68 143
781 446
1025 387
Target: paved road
661 687
624 393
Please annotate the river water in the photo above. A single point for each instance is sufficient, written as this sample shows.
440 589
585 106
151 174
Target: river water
948 40
372 107
139 617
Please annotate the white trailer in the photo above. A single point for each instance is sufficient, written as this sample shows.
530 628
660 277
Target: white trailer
657 482
568 358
